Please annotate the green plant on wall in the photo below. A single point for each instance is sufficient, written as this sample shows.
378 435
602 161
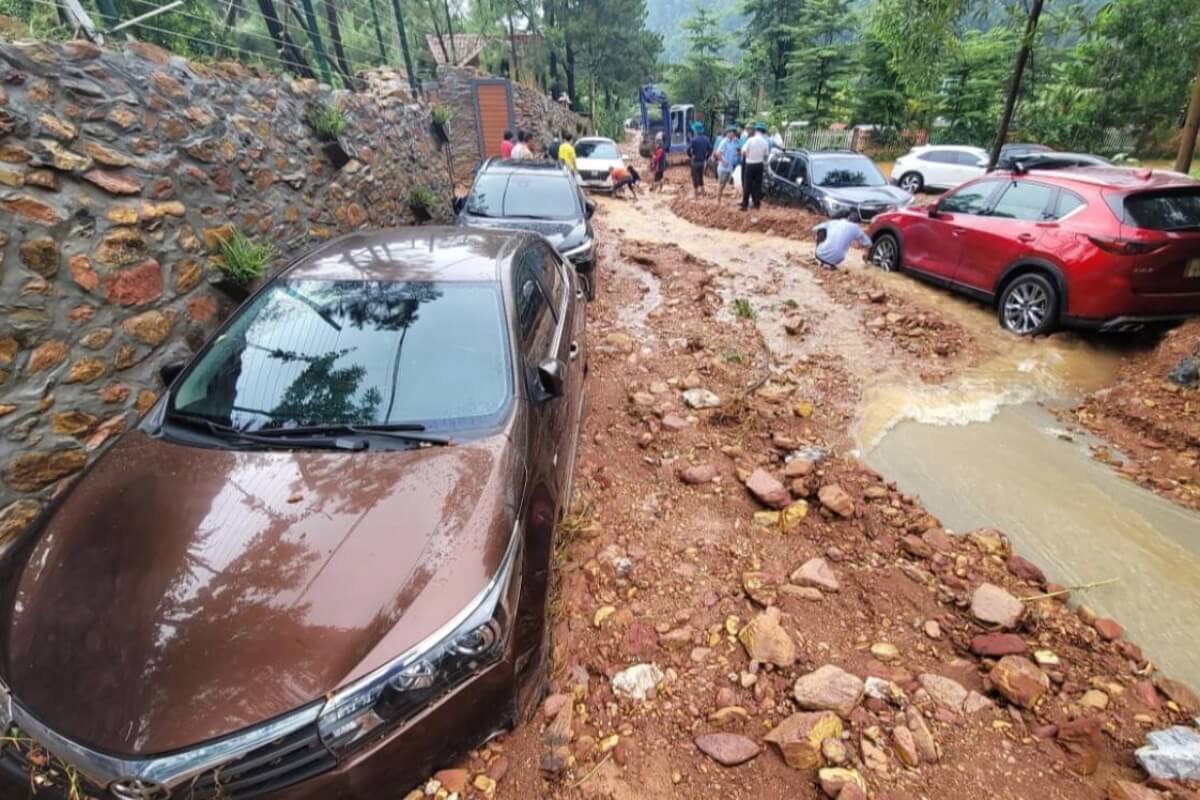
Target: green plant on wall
243 259
327 121
423 198
441 115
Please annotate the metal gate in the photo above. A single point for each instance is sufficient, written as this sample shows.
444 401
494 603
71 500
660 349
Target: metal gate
493 113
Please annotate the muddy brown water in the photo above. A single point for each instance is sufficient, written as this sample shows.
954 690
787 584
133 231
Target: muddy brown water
981 449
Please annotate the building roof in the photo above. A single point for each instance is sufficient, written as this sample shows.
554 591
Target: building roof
465 47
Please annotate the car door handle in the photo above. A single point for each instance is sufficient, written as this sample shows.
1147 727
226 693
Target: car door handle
573 352
1026 237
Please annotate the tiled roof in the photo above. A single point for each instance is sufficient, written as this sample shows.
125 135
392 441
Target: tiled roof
466 46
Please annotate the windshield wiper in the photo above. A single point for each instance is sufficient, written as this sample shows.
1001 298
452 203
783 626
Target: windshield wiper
409 432
227 432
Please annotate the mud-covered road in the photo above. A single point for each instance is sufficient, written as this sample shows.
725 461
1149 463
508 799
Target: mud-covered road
753 602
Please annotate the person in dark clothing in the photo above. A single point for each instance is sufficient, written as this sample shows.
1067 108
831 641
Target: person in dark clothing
699 149
754 157
552 149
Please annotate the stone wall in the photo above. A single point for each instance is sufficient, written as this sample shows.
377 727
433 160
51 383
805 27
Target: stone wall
534 111
120 172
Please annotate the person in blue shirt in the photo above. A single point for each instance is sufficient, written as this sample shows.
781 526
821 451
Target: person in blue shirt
834 240
727 159
699 149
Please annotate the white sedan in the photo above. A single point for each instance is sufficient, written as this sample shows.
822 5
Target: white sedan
595 156
939 166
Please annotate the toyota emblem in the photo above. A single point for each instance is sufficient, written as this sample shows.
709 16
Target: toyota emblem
138 789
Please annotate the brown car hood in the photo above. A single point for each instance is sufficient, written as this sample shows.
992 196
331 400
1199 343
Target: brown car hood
179 593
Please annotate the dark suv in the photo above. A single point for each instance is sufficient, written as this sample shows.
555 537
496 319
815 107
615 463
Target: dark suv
836 183
538 196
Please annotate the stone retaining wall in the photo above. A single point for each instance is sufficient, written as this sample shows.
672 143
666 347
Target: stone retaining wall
120 172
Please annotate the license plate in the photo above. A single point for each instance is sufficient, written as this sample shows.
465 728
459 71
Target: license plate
1192 270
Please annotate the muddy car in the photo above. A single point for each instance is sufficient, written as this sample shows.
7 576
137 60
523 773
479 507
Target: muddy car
318 566
833 183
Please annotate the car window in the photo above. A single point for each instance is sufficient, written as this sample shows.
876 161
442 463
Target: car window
517 194
326 352
1067 202
1167 210
971 199
939 157
545 265
535 320
597 150
970 160
842 172
1024 200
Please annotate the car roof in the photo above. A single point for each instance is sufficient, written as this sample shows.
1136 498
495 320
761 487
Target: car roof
964 148
421 253
533 166
594 139
1123 178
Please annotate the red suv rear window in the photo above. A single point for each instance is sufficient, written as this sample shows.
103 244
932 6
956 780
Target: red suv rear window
1165 210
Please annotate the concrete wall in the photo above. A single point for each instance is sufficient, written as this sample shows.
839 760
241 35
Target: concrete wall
119 174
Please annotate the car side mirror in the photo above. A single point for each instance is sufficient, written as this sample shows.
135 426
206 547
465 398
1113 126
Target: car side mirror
552 374
589 209
167 373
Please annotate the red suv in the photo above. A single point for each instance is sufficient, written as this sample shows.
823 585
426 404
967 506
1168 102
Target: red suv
1094 247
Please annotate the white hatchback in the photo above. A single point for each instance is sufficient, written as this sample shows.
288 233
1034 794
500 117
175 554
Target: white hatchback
595 156
938 166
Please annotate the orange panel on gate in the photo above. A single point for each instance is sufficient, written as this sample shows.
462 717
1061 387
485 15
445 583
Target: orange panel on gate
493 116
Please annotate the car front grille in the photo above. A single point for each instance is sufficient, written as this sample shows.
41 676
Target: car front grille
278 764
870 212
593 175
287 760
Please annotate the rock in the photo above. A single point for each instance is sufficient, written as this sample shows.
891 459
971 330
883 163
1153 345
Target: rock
922 737
976 702
675 423
834 752
761 587
1019 680
817 573
727 749
834 780
873 757
40 255
637 681
766 641
829 688
1185 373
905 747
1045 658
852 792
698 474
32 209
797 468
836 499
114 182
16 516
916 547
767 490
800 737
994 645
640 639
1094 698
946 692
1171 754
1026 570
794 325
932 629
1109 629
938 539
47 355
1081 743
994 606
885 651
1145 692
559 732
701 398
553 704
150 327
677 639
453 780
35 469
1182 696
485 785
1125 790
791 517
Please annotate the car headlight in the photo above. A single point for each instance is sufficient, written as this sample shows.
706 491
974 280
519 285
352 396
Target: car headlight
471 641
580 252
833 206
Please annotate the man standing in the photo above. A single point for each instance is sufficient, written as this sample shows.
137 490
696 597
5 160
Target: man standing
754 157
566 151
834 239
658 163
727 159
552 149
521 150
699 149
506 145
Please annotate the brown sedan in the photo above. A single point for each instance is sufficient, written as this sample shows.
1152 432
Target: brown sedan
318 567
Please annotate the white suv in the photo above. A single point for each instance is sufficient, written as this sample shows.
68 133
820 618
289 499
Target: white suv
938 167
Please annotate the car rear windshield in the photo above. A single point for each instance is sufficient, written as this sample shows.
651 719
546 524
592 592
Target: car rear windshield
1168 210
317 352
838 173
514 194
597 150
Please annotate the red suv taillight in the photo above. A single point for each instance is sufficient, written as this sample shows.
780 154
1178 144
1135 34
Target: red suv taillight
1124 247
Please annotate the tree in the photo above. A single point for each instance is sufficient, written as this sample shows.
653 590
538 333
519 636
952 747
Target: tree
823 56
769 40
1187 141
607 41
969 100
1014 83
703 77
875 94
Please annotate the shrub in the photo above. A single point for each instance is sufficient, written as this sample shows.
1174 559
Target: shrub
244 259
742 307
422 197
441 115
327 121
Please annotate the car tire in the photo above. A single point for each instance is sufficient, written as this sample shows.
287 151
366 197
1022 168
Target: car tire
911 182
885 252
1029 305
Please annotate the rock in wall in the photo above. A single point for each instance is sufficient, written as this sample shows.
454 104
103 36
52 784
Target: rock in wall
120 172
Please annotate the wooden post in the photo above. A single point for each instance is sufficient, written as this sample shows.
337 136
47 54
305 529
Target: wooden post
1014 83
1187 142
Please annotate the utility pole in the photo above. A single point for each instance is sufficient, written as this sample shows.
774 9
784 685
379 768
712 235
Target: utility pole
314 33
1014 83
408 62
1187 142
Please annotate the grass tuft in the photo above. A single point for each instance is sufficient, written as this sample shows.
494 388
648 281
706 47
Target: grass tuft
244 259
742 308
327 121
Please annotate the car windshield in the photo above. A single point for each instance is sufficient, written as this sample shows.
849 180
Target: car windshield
515 194
1172 210
597 150
840 173
350 352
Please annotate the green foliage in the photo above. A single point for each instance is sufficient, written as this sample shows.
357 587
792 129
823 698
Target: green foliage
441 114
743 309
822 59
327 121
244 259
972 93
703 79
422 197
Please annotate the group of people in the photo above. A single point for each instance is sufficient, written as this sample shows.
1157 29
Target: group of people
520 147
747 148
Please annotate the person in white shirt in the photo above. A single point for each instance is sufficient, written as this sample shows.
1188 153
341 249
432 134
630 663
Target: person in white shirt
754 157
834 240
521 150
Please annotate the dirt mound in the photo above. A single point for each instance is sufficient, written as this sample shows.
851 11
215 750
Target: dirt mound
1152 420
793 223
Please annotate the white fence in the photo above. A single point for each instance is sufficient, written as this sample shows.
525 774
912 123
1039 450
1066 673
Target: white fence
804 138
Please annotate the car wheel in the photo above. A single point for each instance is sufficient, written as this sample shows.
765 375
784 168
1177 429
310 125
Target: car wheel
1029 305
885 253
912 182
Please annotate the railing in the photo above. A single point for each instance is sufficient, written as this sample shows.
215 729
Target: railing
818 139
